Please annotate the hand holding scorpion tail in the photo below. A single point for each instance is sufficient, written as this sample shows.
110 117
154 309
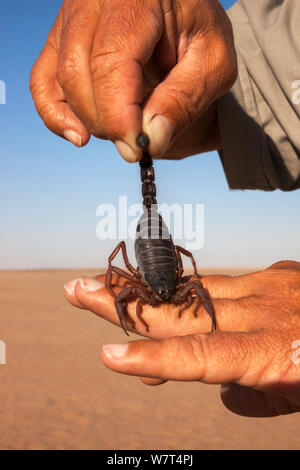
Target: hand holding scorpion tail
158 278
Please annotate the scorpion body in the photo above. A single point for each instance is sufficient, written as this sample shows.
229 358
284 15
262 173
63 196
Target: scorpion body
159 275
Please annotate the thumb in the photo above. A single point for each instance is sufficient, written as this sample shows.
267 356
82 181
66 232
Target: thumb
217 357
203 74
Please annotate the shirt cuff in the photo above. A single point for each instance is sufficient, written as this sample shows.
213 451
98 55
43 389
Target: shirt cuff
243 140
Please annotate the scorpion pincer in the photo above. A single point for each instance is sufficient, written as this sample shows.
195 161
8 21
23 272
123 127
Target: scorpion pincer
159 275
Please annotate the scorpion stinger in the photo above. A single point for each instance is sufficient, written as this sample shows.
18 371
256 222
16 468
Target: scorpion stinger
159 276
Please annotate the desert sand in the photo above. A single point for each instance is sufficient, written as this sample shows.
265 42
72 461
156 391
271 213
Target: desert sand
55 393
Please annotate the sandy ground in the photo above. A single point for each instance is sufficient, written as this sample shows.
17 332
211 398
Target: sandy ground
56 394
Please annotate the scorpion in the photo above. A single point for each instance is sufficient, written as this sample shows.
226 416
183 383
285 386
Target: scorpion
159 276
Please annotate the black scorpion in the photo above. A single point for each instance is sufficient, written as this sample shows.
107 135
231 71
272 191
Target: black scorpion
159 275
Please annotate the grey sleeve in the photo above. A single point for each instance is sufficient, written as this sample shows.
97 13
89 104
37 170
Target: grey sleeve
259 117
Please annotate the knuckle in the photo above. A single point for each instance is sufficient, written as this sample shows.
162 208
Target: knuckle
227 28
108 123
33 83
48 114
234 353
37 79
103 65
68 70
232 70
38 88
233 349
197 348
225 63
229 350
285 264
270 350
184 104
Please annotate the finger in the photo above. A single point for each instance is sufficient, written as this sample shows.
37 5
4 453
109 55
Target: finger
252 284
50 100
152 382
286 265
163 320
73 67
69 288
213 358
198 79
224 286
122 46
229 287
253 403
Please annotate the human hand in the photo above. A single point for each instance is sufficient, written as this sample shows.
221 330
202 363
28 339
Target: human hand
251 353
115 68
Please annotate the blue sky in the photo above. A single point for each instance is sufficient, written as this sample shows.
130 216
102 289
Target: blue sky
49 190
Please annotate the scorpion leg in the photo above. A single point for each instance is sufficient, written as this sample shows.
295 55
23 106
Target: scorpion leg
179 251
198 303
108 278
203 297
186 305
108 283
121 272
135 275
122 246
144 297
207 304
139 305
135 278
121 309
179 261
120 299
126 321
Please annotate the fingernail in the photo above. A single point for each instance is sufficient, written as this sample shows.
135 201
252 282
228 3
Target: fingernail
161 133
126 151
70 285
115 351
73 137
89 284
